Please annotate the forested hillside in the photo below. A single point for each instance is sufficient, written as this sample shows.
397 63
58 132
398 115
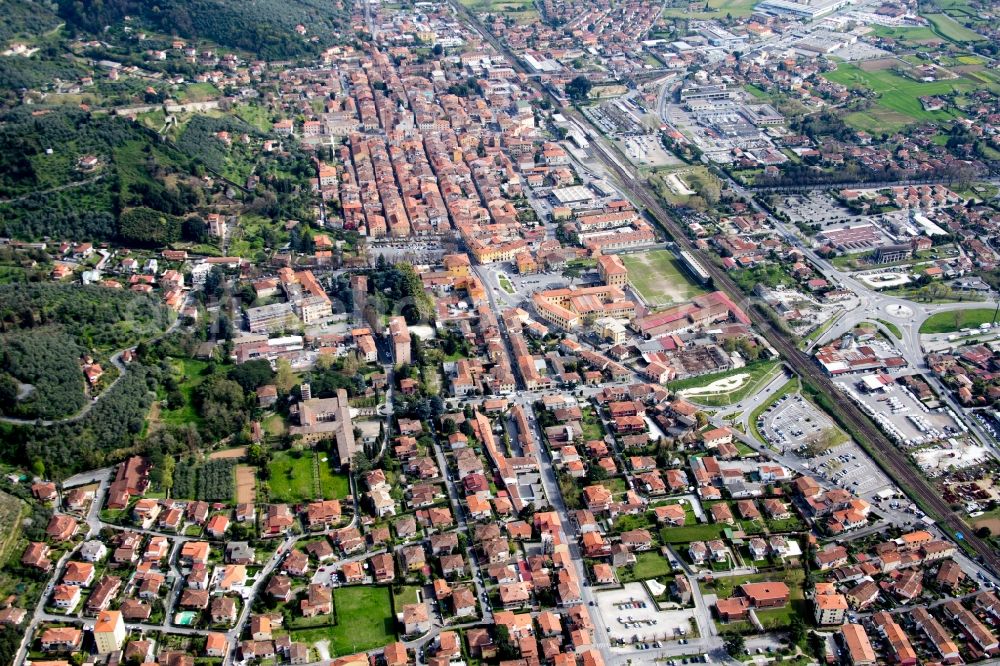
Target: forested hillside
46 328
49 194
264 27
47 362
24 18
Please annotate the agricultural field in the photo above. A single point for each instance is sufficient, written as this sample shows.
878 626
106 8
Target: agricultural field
713 9
11 509
911 36
949 28
211 481
955 320
898 102
522 11
659 278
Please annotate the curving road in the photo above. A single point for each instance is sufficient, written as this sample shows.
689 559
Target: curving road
116 360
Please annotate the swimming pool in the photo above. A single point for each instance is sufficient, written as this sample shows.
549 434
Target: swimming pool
185 618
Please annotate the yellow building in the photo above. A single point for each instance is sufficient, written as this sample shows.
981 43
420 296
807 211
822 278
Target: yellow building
109 632
612 270
457 265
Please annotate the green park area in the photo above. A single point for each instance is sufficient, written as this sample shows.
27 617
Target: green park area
659 277
726 388
956 320
364 620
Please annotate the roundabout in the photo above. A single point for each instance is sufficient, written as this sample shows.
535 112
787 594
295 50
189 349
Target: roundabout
899 310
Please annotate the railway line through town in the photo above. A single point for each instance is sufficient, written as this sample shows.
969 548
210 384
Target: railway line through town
891 459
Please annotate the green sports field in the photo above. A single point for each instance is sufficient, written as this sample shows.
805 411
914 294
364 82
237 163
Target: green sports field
659 278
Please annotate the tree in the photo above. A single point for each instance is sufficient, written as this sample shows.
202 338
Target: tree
167 472
596 474
361 463
796 630
572 272
285 378
736 646
505 646
579 88
252 374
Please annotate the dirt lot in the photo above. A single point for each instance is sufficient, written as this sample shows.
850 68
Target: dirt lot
245 484
238 452
992 523
876 65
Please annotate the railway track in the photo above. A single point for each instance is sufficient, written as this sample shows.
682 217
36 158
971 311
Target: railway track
892 460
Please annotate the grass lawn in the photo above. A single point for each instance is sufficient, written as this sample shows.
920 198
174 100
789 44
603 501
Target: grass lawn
951 29
689 533
647 565
892 328
591 424
506 284
954 320
898 103
333 485
274 425
759 374
364 621
407 595
254 115
198 92
659 277
189 373
522 11
291 476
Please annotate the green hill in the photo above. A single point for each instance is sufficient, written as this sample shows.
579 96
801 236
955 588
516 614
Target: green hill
263 27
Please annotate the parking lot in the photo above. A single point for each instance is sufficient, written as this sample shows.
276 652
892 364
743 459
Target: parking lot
416 252
907 419
849 467
794 421
632 617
